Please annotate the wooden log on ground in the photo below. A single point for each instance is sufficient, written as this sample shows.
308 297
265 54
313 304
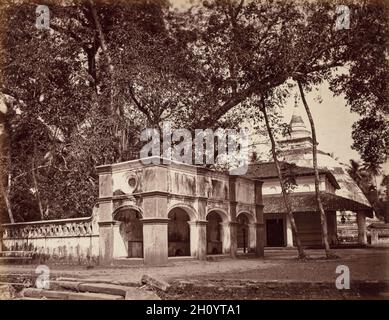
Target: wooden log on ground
104 288
93 280
67 295
130 293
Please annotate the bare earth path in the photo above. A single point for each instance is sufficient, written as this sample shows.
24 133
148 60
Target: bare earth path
364 264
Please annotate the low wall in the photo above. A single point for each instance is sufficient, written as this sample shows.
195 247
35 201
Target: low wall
66 240
380 235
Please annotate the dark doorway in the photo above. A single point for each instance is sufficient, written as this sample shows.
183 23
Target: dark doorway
275 232
243 233
178 233
131 230
214 231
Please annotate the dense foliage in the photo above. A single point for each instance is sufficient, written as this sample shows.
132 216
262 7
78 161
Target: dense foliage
79 94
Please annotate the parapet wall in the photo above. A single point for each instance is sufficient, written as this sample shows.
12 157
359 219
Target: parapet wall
379 234
64 241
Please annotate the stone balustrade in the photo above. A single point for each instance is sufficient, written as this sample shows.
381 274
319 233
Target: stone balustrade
73 240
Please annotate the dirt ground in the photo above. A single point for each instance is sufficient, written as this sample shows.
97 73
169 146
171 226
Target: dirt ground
364 264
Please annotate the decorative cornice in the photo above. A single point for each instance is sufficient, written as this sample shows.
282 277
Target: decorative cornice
155 220
181 196
104 199
152 193
107 168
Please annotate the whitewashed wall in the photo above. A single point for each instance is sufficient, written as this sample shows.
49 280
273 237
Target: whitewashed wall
66 240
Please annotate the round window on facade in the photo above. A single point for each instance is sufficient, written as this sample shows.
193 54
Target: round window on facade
132 182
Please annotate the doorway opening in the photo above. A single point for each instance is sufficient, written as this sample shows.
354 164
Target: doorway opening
275 232
178 233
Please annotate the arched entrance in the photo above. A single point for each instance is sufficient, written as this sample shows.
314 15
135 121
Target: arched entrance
243 232
214 233
178 233
131 230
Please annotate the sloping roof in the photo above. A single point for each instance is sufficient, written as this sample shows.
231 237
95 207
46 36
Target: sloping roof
348 187
268 170
384 226
306 202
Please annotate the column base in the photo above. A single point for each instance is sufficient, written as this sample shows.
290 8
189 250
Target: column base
155 241
260 240
106 242
198 239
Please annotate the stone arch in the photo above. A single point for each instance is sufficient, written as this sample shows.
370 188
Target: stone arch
245 231
179 231
130 229
187 208
248 214
130 207
222 213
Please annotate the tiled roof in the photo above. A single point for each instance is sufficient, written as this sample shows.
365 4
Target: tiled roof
306 202
267 170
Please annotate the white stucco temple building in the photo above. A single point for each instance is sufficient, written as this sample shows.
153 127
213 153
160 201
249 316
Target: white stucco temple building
339 192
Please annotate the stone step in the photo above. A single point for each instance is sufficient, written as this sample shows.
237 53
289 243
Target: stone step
105 288
217 257
16 253
130 293
15 260
67 295
127 262
97 280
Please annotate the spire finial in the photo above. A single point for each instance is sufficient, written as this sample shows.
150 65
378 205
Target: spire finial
297 125
295 101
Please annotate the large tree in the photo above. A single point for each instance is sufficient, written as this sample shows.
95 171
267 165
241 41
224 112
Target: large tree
369 37
69 110
265 105
105 71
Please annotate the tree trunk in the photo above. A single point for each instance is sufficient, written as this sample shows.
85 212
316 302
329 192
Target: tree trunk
111 110
7 204
323 217
386 204
104 48
285 195
38 196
